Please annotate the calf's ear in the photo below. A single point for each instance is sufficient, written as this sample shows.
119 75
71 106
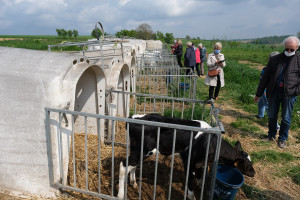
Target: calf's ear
238 145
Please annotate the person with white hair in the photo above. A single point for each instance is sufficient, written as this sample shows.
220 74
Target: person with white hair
281 80
203 56
215 63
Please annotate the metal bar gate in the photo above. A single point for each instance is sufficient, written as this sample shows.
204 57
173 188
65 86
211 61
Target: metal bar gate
87 165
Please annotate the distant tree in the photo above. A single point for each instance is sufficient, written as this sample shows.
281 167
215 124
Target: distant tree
160 36
188 37
126 33
75 33
154 36
58 31
93 34
144 31
169 38
64 33
70 33
298 34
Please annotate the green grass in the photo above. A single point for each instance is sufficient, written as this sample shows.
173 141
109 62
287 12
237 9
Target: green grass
253 193
285 158
246 125
40 42
294 173
271 156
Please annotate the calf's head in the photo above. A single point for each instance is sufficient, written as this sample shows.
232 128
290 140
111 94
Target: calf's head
243 161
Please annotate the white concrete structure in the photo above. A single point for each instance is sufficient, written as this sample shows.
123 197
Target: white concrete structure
30 81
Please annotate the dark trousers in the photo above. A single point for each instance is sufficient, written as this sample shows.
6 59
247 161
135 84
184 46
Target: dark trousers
179 60
197 68
275 101
216 89
189 70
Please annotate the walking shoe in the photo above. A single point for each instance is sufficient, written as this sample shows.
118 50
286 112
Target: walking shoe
281 144
269 139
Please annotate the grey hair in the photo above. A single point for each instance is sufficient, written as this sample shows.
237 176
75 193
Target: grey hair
189 43
294 38
200 45
218 44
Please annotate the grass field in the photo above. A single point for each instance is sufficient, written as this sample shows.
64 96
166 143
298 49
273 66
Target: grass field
244 62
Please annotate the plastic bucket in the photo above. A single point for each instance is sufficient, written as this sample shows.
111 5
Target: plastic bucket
228 182
184 86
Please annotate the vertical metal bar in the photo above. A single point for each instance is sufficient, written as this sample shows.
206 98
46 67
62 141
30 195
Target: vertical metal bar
145 99
215 165
99 155
205 166
135 102
172 165
73 150
113 158
61 150
156 161
141 162
182 110
86 154
172 107
203 110
127 156
188 165
178 86
49 147
193 108
154 104
127 101
144 82
163 106
194 90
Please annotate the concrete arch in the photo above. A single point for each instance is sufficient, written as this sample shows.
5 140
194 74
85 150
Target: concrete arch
120 81
130 61
86 85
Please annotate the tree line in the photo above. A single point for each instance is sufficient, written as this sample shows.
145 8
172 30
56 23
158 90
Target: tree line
62 33
143 31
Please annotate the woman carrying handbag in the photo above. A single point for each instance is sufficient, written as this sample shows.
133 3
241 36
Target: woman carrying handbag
215 75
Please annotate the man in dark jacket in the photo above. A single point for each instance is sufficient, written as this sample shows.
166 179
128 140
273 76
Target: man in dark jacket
189 58
281 80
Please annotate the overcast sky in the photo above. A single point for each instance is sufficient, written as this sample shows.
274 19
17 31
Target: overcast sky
207 19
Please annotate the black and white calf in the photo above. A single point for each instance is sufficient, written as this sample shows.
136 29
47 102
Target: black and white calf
150 142
228 154
232 156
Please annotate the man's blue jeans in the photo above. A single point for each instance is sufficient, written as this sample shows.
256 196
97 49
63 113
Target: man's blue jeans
287 104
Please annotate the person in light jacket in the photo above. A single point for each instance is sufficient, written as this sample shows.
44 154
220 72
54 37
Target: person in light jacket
215 60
